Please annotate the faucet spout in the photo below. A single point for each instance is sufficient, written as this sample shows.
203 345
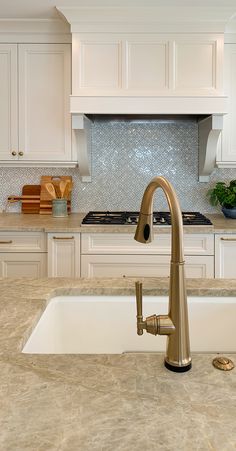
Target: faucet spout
178 348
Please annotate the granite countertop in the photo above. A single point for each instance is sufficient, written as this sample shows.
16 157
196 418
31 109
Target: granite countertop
46 223
104 402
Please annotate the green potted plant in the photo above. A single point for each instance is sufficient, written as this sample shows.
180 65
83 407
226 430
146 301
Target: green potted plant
225 195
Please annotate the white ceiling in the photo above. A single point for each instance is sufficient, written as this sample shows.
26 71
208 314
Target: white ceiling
45 9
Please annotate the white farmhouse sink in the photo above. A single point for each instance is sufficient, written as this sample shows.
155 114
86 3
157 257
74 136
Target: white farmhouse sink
107 325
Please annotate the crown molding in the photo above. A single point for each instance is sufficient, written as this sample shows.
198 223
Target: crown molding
147 19
34 30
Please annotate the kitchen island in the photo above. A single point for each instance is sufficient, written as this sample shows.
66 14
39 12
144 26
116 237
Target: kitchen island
104 402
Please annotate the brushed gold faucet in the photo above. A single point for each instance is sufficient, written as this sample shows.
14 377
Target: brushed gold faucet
175 324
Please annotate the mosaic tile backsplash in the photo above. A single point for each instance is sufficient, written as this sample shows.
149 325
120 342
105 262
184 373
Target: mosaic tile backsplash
125 156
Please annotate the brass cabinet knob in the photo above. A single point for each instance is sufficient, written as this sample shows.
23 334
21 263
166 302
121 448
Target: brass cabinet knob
21 153
13 153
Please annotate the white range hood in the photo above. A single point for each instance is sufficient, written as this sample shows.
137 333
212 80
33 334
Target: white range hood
130 61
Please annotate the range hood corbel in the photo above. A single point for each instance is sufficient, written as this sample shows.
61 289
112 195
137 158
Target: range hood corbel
81 126
209 131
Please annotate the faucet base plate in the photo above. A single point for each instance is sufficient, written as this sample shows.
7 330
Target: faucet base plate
178 369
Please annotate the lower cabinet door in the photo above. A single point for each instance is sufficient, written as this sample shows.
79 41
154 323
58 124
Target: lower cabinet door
142 266
23 264
64 255
225 256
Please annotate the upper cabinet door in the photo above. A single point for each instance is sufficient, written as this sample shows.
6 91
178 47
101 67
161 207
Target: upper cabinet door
8 102
44 90
227 152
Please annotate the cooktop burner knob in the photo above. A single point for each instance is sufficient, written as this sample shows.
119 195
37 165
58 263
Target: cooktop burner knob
154 220
129 220
162 220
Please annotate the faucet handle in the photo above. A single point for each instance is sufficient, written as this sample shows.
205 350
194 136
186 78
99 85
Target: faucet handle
155 325
139 306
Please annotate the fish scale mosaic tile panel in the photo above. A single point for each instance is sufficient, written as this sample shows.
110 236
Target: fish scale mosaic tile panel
125 156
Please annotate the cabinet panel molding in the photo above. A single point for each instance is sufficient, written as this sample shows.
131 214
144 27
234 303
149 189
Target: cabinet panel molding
188 71
147 65
100 65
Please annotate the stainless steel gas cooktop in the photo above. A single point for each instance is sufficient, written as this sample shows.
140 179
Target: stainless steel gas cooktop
131 218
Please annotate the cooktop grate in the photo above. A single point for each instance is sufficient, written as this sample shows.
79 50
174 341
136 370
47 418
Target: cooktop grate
131 218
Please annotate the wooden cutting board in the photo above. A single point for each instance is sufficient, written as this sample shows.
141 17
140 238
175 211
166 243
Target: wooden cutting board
30 199
33 203
46 198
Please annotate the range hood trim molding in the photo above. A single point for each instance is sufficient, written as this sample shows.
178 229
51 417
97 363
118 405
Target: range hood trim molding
148 105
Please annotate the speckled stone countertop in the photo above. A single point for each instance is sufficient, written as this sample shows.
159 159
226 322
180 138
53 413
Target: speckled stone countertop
24 222
127 402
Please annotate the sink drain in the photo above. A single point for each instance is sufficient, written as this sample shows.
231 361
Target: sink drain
223 363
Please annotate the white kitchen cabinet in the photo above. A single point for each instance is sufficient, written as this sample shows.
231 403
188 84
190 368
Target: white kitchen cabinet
227 146
35 119
119 255
23 254
225 256
117 64
63 254
8 101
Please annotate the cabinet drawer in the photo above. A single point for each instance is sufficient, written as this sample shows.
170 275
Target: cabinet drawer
22 242
118 243
23 264
143 266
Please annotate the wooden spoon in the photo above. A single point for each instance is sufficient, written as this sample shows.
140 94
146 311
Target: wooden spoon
57 189
51 190
68 189
62 186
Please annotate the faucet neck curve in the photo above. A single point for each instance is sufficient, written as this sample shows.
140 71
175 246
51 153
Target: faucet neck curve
175 211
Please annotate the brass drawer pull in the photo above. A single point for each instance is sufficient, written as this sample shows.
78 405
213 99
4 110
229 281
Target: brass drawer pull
228 239
6 242
63 237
